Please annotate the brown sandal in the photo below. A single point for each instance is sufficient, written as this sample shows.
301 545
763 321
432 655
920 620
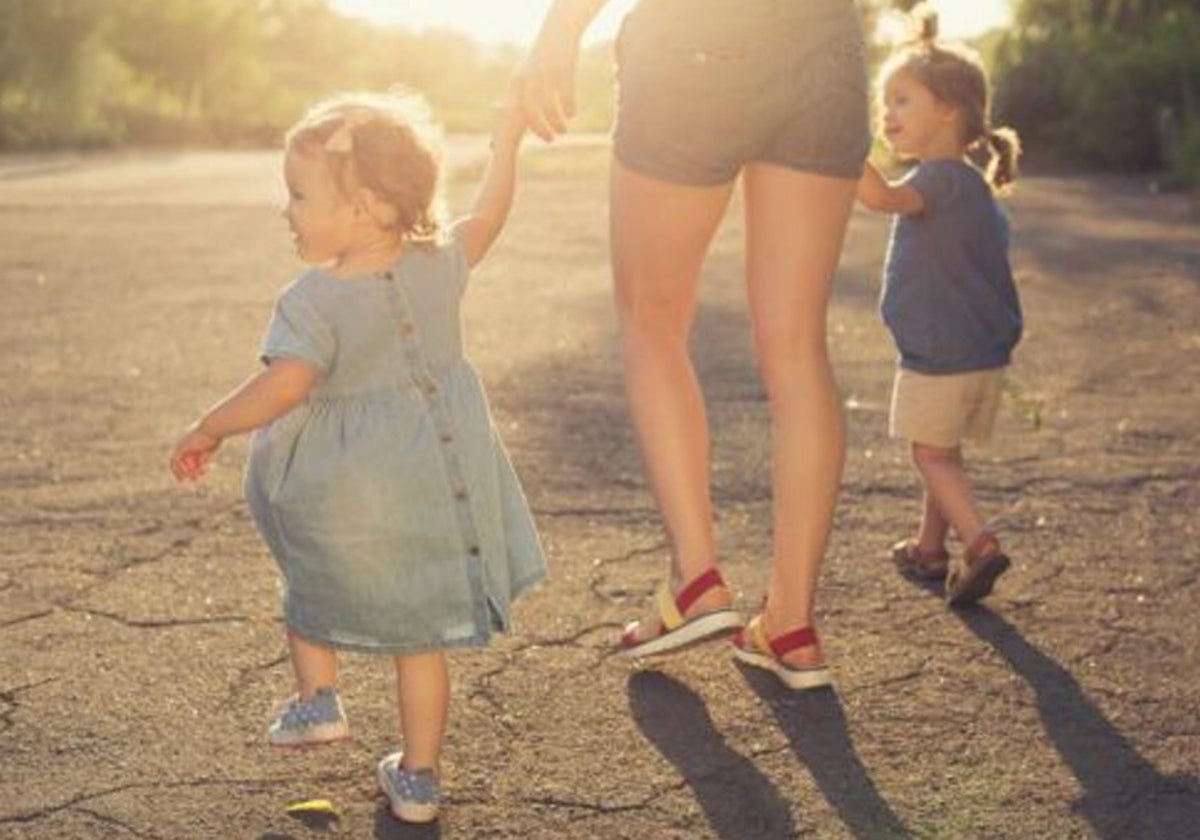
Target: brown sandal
912 562
972 576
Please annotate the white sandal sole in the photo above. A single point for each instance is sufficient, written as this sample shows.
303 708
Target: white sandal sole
702 628
797 679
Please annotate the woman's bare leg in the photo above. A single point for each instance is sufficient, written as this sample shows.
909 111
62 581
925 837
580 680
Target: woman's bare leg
795 225
660 233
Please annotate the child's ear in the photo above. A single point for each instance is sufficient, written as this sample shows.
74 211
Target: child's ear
368 206
947 112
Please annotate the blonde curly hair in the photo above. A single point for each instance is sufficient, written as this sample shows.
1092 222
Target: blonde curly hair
387 143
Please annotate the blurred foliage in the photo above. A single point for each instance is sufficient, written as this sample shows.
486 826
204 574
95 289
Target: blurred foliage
1113 84
1109 83
105 72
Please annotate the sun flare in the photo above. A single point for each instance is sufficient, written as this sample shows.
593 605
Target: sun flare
517 21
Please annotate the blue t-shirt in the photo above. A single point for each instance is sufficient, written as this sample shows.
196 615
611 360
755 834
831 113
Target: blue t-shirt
948 293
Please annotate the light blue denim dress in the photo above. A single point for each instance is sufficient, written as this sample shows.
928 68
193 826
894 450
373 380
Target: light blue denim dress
387 498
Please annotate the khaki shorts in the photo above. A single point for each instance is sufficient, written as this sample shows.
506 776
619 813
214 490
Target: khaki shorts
943 410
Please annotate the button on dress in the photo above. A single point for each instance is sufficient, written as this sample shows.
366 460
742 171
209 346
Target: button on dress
387 498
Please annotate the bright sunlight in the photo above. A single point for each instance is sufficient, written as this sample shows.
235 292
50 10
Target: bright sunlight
517 21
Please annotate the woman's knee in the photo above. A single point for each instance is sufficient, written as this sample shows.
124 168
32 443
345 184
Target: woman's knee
650 314
791 358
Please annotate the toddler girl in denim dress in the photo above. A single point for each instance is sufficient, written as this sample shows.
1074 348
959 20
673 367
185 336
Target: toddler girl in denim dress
375 473
948 297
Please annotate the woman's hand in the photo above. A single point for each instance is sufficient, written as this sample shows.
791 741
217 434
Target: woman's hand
546 81
189 459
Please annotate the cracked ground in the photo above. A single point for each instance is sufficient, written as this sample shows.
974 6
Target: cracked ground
141 651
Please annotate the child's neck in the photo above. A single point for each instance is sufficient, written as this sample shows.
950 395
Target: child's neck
943 147
371 257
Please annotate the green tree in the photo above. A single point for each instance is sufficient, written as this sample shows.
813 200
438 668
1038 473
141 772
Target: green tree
1109 83
45 48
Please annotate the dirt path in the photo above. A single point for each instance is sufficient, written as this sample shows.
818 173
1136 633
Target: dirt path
141 652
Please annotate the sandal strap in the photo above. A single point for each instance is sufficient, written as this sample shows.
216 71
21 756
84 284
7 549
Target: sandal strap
796 639
668 613
671 608
758 634
985 543
709 579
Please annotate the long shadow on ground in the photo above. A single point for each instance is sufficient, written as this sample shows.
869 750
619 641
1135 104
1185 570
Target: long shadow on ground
815 726
1125 796
739 802
388 827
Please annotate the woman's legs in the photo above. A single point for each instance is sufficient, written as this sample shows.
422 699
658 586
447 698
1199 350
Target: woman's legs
795 224
423 689
315 666
660 233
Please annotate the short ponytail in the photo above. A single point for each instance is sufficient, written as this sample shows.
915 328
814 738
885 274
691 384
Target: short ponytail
1004 147
925 23
955 75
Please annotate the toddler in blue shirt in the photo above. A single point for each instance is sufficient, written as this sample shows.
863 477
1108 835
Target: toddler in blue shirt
948 296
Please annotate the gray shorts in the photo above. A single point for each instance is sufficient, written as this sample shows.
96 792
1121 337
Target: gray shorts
707 86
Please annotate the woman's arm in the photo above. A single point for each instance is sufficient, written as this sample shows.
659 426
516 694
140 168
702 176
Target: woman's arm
547 79
260 399
480 227
877 194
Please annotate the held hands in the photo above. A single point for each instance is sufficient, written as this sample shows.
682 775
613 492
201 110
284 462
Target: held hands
189 459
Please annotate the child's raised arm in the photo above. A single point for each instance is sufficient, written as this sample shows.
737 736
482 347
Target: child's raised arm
257 401
877 194
482 224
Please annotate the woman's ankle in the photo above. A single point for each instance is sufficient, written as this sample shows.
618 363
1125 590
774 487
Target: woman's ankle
715 597
775 626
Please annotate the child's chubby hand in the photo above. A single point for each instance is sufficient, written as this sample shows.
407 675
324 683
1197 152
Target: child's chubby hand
189 459
508 122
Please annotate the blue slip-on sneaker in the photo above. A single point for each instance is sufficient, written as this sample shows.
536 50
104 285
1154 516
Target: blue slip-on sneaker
304 723
414 795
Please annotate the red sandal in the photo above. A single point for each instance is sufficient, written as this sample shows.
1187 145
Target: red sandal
752 646
675 631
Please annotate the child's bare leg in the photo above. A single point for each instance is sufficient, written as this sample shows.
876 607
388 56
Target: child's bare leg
315 666
931 538
423 688
946 482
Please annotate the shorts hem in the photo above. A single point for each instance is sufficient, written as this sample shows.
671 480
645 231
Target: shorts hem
925 441
825 170
666 175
